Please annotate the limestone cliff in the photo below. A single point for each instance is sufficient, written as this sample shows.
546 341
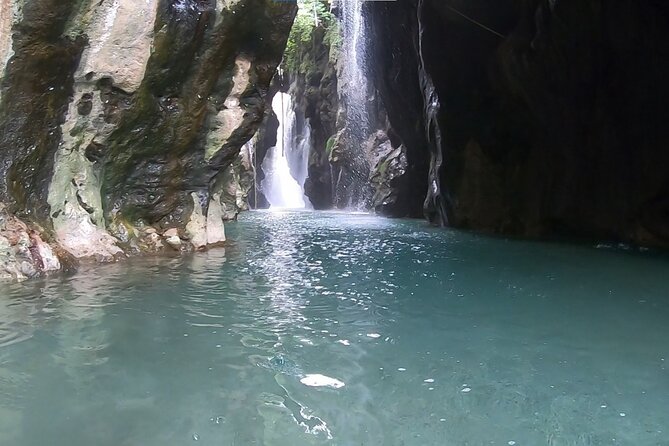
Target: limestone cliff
120 120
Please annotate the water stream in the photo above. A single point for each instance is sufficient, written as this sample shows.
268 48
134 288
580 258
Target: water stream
354 54
334 329
352 180
285 165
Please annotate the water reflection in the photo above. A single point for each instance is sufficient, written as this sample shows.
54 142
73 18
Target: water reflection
286 271
431 337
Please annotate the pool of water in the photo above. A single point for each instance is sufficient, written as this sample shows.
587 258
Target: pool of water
334 329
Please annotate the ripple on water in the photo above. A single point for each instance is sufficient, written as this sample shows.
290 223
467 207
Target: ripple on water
324 328
9 337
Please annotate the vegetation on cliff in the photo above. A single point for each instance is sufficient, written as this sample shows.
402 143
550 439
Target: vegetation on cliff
312 15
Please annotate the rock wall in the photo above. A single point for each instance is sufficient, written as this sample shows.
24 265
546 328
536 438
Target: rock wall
120 120
265 139
368 171
313 87
535 117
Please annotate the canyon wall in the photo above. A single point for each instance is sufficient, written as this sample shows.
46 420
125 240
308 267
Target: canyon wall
535 118
120 121
355 162
312 83
128 127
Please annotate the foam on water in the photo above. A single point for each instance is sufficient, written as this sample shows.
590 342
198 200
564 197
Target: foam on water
318 380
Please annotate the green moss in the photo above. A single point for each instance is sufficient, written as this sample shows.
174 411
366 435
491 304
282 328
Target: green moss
311 15
383 167
329 145
81 16
333 39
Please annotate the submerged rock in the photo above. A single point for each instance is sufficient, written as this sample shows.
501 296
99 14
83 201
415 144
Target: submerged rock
281 364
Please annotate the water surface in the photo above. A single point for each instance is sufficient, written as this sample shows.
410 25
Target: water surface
438 337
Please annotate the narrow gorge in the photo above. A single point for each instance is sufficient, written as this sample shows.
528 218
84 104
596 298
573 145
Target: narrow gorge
130 128
334 222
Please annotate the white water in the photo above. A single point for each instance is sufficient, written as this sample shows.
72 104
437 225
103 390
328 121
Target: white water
355 55
281 188
352 181
297 152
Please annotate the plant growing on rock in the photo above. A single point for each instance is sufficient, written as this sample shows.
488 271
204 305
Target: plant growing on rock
312 14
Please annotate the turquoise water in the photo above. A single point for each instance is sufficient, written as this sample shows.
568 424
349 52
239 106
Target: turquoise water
422 337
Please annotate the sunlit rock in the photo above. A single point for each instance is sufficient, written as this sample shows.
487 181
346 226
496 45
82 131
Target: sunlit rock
196 229
10 14
120 34
215 218
172 238
232 115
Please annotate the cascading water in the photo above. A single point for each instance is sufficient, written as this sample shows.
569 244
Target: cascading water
353 75
297 152
352 176
281 188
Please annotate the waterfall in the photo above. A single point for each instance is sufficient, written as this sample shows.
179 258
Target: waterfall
297 153
352 184
354 52
283 184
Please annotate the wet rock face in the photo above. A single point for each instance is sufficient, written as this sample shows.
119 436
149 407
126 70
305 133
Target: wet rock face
345 170
388 175
394 71
556 127
205 89
313 87
36 87
121 115
265 139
